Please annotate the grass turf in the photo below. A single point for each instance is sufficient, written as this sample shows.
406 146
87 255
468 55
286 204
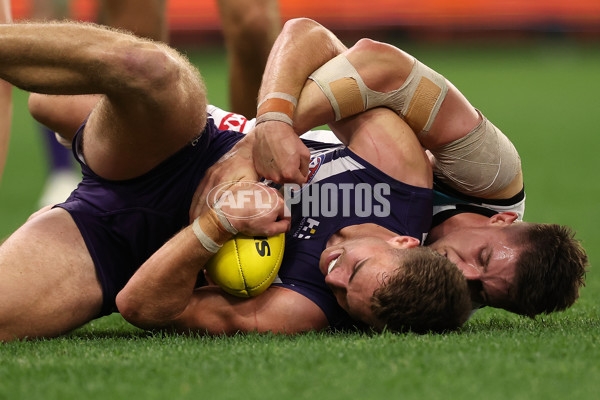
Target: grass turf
542 95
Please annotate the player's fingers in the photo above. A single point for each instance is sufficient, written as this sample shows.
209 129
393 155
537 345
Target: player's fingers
304 162
283 212
278 227
271 173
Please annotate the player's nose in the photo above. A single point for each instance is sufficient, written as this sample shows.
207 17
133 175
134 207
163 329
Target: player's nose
338 278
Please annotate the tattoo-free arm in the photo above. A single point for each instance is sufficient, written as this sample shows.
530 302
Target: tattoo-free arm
302 47
161 293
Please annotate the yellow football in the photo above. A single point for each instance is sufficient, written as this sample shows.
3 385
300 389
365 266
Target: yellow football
246 266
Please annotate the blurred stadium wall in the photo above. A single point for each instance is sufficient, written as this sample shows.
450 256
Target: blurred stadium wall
199 19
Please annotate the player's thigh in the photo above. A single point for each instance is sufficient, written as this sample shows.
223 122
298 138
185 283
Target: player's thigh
48 282
249 15
62 114
145 18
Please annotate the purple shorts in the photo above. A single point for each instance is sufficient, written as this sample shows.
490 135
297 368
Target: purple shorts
124 222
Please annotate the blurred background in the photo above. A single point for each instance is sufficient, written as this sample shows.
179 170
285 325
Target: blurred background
192 21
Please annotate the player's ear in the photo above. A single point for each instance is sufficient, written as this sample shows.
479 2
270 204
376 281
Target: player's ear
404 242
504 218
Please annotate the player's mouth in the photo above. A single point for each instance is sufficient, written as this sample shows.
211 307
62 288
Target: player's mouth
332 264
328 263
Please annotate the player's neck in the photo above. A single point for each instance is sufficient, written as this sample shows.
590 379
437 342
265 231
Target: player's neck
459 221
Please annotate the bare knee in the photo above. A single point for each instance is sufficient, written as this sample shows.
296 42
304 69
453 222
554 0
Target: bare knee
256 22
38 107
48 282
61 114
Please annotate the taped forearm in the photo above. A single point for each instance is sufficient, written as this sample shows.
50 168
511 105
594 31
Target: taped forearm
302 46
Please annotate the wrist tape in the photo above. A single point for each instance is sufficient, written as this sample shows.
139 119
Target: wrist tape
277 106
210 231
223 219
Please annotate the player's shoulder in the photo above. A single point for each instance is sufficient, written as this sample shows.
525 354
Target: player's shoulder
227 120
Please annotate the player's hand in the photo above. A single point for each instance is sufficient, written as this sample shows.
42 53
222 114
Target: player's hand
236 165
279 155
253 209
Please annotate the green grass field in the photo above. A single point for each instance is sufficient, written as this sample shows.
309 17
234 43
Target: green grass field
543 95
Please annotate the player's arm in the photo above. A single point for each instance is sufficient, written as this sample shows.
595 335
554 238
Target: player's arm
302 46
372 74
286 78
470 154
161 293
277 310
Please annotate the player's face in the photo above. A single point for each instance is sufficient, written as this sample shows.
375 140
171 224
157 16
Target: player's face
355 268
487 257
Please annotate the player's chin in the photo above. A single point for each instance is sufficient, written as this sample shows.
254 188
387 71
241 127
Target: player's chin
342 300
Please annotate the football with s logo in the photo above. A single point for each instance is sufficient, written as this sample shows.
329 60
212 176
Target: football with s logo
247 265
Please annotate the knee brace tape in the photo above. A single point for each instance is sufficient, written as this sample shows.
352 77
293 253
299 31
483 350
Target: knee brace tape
417 101
481 163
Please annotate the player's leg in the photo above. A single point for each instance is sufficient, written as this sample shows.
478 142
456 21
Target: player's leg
62 177
145 18
154 99
48 283
250 28
63 115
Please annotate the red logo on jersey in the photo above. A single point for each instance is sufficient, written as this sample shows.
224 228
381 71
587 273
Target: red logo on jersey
233 122
314 166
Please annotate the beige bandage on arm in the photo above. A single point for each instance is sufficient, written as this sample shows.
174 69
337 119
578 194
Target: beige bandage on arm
481 163
417 101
